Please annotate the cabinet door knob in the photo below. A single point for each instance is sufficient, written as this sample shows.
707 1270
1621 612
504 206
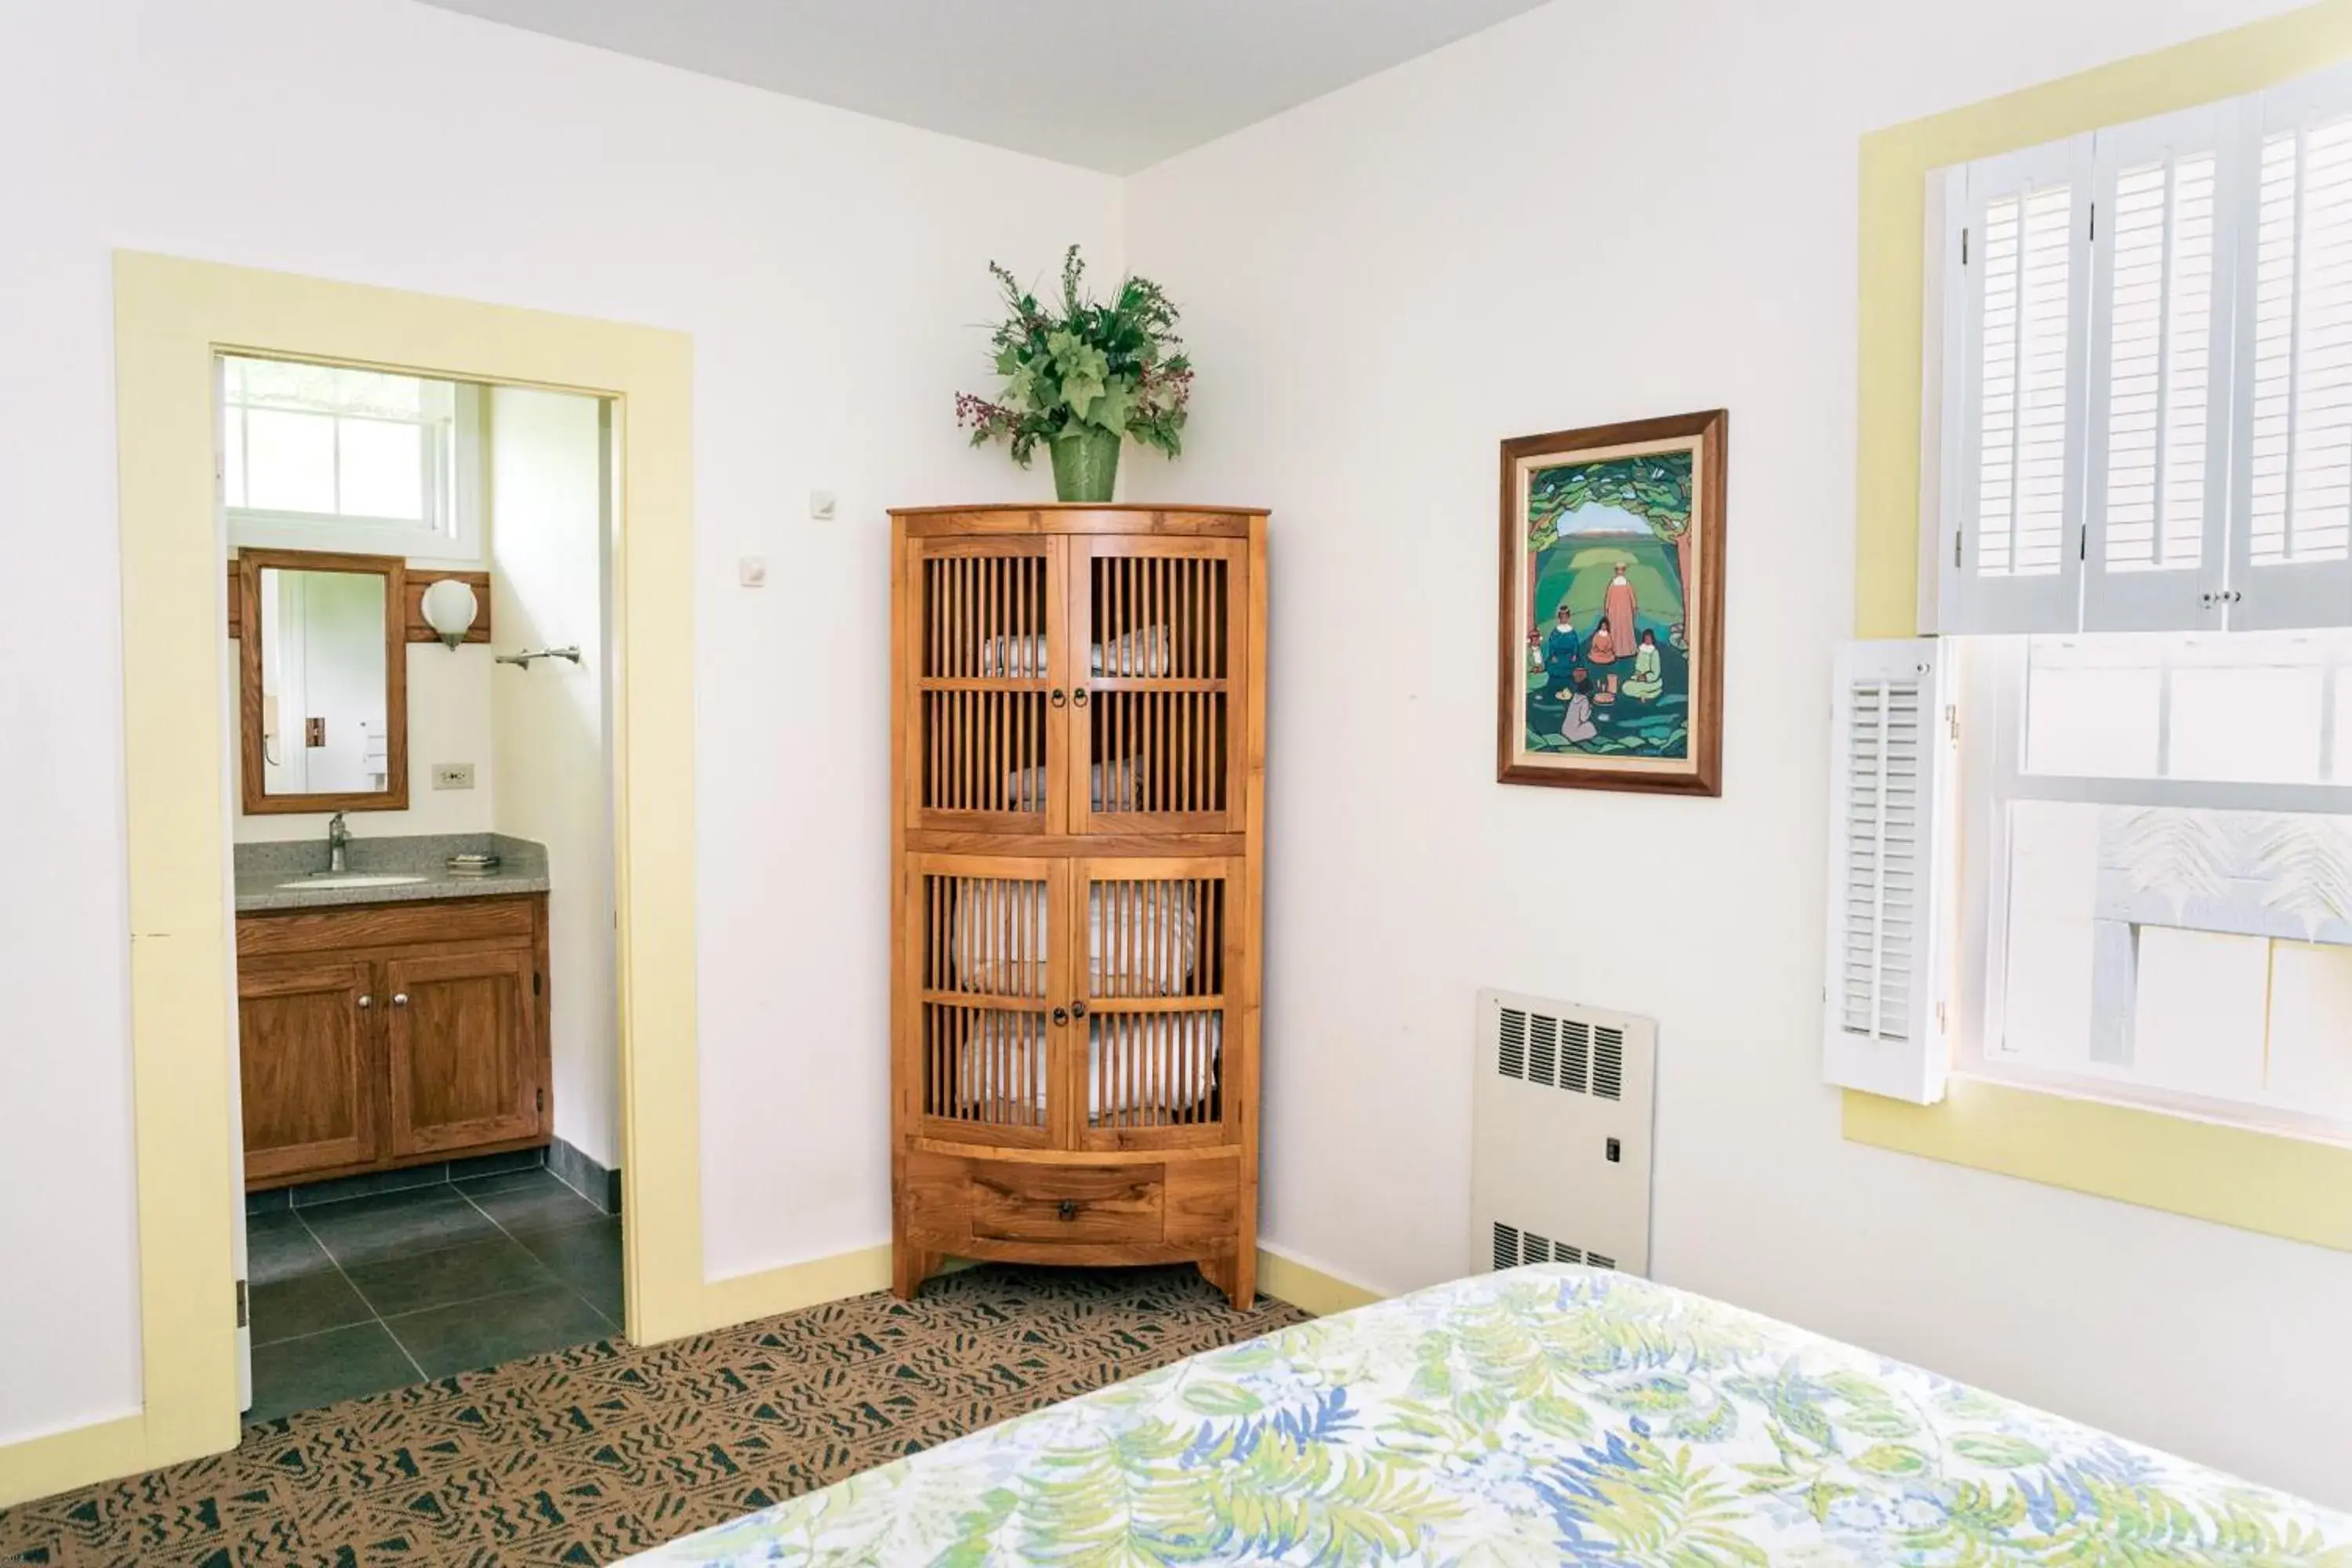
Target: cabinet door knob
1058 697
1077 1009
366 1001
1069 1208
1078 696
1060 1015
400 998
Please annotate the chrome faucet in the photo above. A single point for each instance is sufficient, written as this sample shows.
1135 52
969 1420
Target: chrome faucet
338 837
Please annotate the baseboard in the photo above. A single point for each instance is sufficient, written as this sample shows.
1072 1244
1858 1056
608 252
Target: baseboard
1308 1288
598 1184
60 1461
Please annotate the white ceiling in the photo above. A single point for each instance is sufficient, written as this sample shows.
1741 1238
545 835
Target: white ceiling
1114 85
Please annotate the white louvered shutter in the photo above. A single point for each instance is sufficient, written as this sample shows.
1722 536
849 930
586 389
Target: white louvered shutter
2157 478
2292 557
2017 487
1890 871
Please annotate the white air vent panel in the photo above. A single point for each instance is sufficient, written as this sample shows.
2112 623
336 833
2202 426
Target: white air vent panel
1560 1128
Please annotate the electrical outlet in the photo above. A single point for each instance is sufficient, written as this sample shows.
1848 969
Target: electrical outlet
453 775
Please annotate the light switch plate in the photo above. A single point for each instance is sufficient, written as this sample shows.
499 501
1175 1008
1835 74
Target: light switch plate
453 775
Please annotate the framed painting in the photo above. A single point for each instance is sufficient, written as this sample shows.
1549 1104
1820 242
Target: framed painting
1613 608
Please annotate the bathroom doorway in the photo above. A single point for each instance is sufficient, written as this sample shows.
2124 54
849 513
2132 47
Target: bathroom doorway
418 663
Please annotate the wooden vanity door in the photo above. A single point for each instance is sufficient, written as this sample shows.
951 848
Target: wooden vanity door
1159 652
1158 955
987 684
983 950
461 1033
306 1064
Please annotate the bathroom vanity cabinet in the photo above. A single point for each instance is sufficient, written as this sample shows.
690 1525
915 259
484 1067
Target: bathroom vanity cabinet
377 1035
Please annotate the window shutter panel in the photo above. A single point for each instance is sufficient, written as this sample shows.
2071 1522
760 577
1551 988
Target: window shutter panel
2158 476
1890 871
2292 559
2017 489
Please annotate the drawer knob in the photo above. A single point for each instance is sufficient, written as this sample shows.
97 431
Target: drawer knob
1069 1208
400 998
366 1002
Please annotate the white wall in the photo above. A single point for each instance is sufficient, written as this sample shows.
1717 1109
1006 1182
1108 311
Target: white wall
829 268
547 577
1600 212
449 722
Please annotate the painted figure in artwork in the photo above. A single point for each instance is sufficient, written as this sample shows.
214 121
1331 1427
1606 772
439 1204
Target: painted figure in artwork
1602 654
1617 609
1561 652
1575 721
1609 550
1646 682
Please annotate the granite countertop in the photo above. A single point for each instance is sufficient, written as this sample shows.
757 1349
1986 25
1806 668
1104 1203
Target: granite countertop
263 869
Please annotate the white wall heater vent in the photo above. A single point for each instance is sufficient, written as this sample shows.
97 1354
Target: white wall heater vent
1560 1133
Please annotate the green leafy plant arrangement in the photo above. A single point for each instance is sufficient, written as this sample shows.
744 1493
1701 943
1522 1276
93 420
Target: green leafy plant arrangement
1118 367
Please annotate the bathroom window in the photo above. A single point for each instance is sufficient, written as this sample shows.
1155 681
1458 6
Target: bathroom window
318 457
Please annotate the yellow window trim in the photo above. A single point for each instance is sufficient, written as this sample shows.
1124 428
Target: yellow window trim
2297 1188
2270 1182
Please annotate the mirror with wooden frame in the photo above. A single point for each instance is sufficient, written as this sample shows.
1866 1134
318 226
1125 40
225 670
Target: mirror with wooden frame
323 704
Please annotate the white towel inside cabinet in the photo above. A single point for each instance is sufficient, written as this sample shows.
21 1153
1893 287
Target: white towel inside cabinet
1145 653
1003 1055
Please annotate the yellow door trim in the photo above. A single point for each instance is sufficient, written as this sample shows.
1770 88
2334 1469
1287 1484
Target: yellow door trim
171 317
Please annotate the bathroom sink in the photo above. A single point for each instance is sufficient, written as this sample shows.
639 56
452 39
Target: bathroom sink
350 879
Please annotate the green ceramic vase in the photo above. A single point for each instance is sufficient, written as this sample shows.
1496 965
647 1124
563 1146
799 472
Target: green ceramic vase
1086 464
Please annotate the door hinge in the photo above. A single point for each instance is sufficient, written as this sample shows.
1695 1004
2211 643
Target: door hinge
1940 1024
241 1305
542 1099
534 981
1964 247
1952 720
1955 552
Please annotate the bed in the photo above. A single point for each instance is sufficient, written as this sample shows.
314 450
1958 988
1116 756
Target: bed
1548 1414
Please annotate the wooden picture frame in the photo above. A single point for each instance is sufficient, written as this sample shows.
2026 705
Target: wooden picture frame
1610 627
252 764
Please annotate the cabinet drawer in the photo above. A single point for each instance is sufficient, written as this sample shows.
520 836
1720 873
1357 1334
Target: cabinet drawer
1012 1202
262 934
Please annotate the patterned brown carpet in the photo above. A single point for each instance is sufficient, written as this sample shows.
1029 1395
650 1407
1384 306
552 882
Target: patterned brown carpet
587 1455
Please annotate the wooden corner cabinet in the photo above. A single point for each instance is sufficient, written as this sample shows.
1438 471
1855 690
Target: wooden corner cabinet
1078 803
377 1035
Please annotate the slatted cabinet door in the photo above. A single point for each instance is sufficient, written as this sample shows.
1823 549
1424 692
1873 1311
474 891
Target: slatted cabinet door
1160 969
981 938
1159 665
987 661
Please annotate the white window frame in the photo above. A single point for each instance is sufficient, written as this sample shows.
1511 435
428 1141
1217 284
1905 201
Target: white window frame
2297 593
1968 600
451 532
1992 776
2228 593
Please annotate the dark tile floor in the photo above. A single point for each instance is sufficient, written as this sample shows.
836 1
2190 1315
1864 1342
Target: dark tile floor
378 1293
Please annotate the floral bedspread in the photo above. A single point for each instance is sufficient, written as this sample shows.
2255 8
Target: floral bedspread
1546 1415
